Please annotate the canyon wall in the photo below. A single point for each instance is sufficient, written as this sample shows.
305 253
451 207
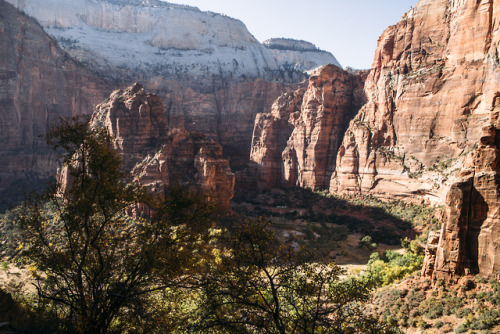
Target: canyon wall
212 74
429 92
135 40
298 55
39 83
296 144
469 241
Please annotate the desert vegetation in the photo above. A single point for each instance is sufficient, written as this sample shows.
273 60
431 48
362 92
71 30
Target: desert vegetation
107 257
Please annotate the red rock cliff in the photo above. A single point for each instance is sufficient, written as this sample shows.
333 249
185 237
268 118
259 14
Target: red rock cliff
226 113
296 144
470 237
39 83
429 94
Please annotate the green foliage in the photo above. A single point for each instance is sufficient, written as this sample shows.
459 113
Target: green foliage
262 285
463 312
366 241
4 265
393 265
107 257
101 266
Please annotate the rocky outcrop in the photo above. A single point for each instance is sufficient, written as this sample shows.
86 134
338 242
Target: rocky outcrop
298 55
39 83
430 254
135 119
159 156
470 236
428 92
297 143
270 136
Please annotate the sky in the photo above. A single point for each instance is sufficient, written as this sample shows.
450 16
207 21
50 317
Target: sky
349 29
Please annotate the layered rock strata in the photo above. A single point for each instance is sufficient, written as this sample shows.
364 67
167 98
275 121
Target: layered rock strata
226 115
139 40
39 83
298 55
296 144
159 155
470 237
428 92
213 75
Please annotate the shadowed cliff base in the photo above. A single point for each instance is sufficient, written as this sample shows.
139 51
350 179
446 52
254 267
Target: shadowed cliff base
332 225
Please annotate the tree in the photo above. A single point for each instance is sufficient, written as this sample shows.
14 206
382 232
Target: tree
97 263
261 285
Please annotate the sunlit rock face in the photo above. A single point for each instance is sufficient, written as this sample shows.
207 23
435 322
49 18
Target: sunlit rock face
296 144
298 55
469 242
39 83
429 92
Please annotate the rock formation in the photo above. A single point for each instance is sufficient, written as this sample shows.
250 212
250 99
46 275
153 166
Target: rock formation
39 83
157 155
298 55
296 144
139 40
213 75
470 237
428 93
226 115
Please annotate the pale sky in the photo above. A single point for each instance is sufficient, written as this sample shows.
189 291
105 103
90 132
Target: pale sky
347 28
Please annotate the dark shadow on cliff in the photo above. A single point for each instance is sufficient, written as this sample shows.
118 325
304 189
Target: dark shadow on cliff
21 189
385 222
477 213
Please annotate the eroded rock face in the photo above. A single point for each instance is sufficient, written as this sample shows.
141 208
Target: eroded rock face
298 55
297 143
136 120
226 115
131 38
470 236
39 83
212 74
159 156
429 93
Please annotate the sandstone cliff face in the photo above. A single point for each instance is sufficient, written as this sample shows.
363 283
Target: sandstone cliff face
213 75
135 119
39 83
129 38
226 115
470 237
298 55
428 92
157 155
297 143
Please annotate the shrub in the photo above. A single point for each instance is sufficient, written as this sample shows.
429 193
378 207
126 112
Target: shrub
485 320
463 312
5 265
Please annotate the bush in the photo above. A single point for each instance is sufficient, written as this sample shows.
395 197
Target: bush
461 329
5 265
485 320
463 312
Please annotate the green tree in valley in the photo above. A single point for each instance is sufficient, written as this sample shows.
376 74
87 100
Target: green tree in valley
100 266
260 285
